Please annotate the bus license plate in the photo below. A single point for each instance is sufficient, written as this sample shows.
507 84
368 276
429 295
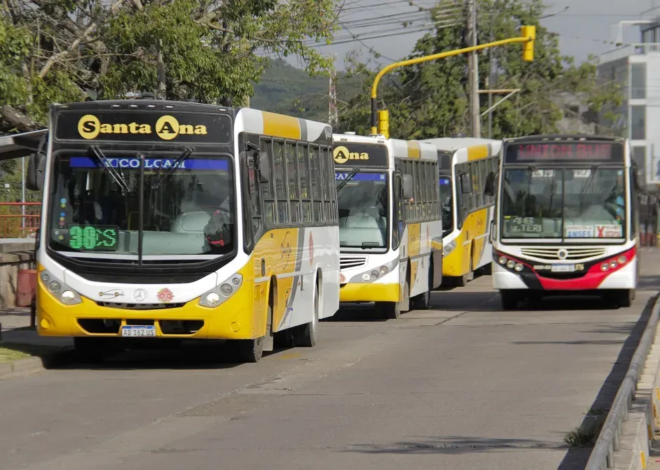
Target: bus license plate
563 268
138 331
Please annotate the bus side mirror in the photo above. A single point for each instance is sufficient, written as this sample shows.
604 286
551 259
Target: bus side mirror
264 167
407 187
489 189
466 186
36 172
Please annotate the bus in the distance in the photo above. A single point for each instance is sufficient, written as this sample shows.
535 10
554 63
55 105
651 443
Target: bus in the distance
467 177
183 220
567 219
389 215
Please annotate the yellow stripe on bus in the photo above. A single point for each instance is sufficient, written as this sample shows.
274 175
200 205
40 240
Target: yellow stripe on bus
414 150
478 152
277 125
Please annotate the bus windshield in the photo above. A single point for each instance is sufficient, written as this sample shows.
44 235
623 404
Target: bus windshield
563 203
188 210
447 201
363 210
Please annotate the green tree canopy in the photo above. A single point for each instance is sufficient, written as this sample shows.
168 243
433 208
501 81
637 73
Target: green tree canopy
430 99
209 50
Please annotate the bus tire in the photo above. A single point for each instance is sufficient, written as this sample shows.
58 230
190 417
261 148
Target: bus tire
487 270
423 301
624 297
509 299
247 350
306 336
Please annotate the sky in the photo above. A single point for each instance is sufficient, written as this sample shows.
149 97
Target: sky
584 28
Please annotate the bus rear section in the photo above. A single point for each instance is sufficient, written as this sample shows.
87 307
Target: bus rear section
467 169
388 217
567 220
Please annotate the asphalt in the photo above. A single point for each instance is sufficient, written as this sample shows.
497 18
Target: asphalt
462 386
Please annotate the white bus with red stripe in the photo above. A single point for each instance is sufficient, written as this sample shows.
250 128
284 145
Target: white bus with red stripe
567 219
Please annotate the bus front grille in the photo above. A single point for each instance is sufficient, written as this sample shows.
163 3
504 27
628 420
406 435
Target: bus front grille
130 306
346 262
570 254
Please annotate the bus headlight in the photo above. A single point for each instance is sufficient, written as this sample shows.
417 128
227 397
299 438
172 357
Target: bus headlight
373 274
510 264
519 267
221 292
622 259
64 293
604 267
502 260
449 247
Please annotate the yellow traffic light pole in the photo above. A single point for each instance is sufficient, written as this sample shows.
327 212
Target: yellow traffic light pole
380 119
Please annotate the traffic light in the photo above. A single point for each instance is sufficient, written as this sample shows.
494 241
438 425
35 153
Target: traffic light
384 123
528 47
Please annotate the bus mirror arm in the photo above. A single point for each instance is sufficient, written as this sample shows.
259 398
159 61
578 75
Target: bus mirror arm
37 168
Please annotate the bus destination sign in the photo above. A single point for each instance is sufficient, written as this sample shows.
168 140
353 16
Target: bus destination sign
564 152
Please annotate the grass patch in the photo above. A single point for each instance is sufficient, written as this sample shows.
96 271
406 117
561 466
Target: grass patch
587 433
13 351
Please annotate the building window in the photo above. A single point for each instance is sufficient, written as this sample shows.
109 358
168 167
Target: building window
638 81
648 36
638 122
639 158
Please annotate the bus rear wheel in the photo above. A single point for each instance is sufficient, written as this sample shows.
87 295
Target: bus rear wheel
423 301
509 299
306 335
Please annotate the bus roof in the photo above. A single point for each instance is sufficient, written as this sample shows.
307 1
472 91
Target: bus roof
452 143
542 137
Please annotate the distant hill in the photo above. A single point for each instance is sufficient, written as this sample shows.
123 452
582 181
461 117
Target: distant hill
289 90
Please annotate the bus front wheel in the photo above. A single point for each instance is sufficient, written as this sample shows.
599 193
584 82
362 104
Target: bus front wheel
509 299
393 310
247 350
423 301
306 335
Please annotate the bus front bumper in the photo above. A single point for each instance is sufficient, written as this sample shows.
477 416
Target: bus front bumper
364 292
231 320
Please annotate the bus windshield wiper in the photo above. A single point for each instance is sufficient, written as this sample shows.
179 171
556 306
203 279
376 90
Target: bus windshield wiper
348 178
105 163
187 152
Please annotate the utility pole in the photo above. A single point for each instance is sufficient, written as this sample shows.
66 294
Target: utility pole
491 69
473 68
333 117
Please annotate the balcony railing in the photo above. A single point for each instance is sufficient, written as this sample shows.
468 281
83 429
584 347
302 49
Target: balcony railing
629 50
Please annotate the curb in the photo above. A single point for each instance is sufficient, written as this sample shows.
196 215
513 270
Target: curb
32 365
633 422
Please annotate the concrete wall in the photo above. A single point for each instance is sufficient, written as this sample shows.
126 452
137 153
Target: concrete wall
15 254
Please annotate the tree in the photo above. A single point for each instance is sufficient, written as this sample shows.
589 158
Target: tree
430 99
208 50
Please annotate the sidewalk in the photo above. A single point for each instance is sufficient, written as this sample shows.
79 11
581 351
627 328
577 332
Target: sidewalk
22 350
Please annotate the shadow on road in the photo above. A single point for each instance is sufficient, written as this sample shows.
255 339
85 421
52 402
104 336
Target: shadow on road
456 445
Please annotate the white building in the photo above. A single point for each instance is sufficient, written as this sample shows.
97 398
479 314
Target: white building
636 67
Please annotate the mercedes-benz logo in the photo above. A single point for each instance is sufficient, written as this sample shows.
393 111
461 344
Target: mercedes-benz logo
140 295
562 254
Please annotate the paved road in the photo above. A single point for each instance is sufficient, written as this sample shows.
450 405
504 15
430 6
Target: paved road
462 386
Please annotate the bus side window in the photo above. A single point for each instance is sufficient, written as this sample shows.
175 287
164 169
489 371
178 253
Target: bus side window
315 180
279 177
292 178
397 211
267 188
305 190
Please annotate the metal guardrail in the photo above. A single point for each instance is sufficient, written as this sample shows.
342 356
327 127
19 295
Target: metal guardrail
608 442
19 219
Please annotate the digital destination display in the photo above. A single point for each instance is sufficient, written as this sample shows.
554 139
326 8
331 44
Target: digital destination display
93 237
151 163
361 177
565 152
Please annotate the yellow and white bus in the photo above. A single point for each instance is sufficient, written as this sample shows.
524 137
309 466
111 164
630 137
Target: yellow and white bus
389 214
467 177
182 220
